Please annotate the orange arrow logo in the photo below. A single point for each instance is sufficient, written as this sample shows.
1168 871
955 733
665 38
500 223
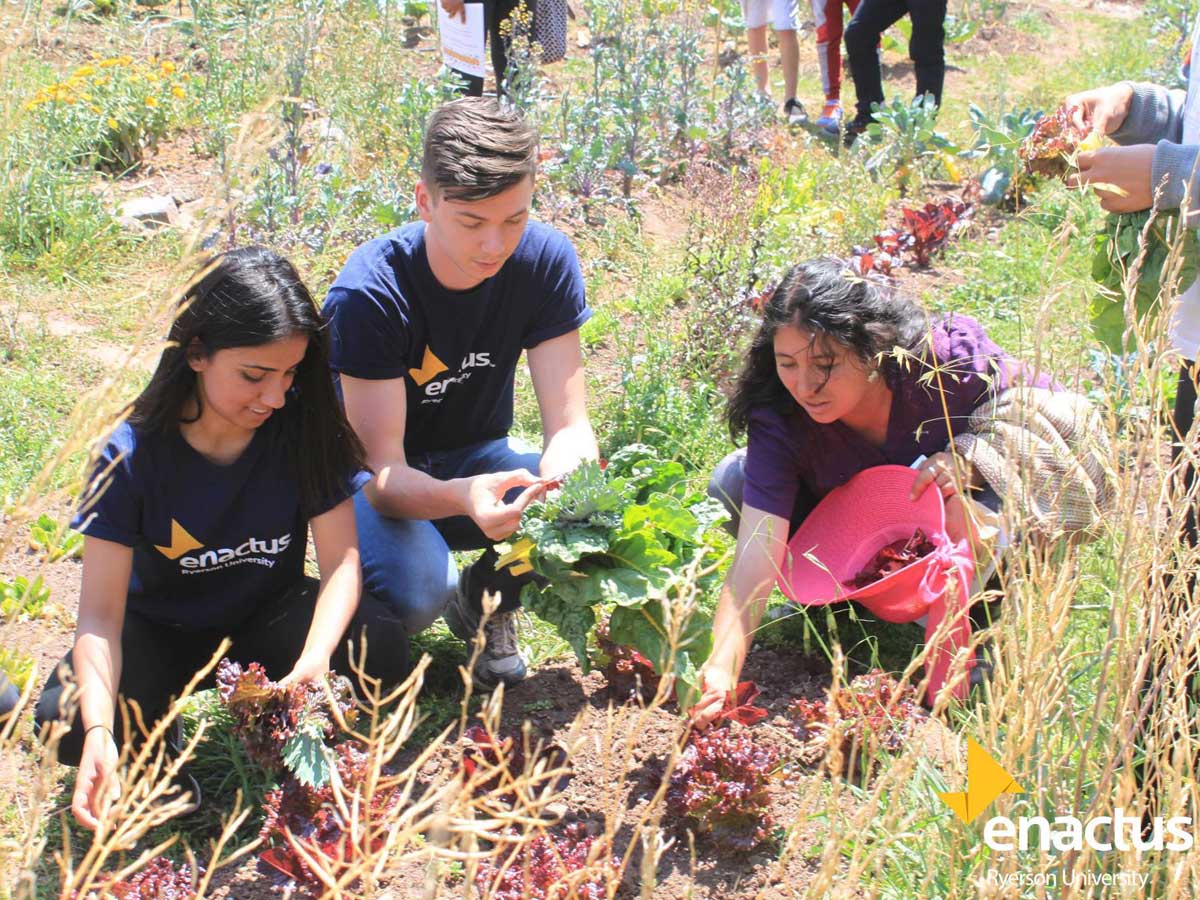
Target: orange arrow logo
986 780
430 366
181 542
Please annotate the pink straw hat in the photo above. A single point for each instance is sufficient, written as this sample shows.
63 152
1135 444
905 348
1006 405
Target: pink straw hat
853 523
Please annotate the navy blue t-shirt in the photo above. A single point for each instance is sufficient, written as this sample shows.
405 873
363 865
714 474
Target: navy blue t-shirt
456 350
210 542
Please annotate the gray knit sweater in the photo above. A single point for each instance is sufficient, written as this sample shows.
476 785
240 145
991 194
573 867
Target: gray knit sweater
1156 117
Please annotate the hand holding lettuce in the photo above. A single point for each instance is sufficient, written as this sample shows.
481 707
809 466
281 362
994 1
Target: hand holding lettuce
621 537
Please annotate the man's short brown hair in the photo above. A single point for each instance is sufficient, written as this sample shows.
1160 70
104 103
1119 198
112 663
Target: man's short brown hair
475 148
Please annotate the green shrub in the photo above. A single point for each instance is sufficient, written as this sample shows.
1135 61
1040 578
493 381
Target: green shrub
112 112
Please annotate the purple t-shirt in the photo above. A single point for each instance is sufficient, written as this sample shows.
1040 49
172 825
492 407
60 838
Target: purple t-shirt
788 451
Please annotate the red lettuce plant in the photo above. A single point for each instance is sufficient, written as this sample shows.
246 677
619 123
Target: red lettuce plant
739 706
158 880
923 233
283 726
550 867
893 557
873 712
310 816
504 756
720 782
1050 148
628 673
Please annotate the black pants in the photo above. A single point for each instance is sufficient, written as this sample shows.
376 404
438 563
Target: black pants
157 660
494 14
925 48
1157 679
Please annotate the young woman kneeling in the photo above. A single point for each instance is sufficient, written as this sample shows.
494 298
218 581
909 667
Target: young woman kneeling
843 375
198 513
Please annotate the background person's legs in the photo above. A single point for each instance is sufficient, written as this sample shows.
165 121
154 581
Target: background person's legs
926 47
870 21
756 38
497 12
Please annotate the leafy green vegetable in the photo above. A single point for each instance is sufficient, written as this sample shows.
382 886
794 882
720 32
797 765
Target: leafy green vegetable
306 755
1117 249
619 538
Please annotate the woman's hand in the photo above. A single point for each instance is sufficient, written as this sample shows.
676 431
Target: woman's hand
715 685
939 470
96 784
1120 176
1102 110
309 667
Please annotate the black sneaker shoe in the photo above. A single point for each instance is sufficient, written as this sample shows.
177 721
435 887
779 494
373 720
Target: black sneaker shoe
501 659
849 131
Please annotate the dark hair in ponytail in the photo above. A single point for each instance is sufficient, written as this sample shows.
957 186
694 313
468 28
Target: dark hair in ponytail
824 297
246 298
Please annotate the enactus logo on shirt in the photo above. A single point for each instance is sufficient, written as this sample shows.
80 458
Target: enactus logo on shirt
426 376
255 550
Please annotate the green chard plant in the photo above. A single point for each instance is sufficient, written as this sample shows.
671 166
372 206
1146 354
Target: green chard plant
1142 243
622 536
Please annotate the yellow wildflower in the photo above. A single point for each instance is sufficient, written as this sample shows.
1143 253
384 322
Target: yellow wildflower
84 71
179 92
114 124
124 60
151 102
168 66
94 108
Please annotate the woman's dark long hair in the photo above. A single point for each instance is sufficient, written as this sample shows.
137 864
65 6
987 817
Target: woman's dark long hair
246 298
822 296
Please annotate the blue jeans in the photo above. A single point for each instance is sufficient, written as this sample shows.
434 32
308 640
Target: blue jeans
407 563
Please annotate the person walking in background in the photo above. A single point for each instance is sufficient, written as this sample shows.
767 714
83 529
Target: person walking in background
786 18
925 48
495 13
828 16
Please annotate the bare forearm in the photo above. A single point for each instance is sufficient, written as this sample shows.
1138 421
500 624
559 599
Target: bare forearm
733 628
567 448
97 660
403 492
336 603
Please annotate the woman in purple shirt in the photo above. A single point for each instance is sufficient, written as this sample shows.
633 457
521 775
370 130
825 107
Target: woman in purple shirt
842 375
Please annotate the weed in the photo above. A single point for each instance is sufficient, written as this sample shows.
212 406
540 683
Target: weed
903 142
54 540
17 666
997 142
22 598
